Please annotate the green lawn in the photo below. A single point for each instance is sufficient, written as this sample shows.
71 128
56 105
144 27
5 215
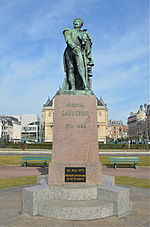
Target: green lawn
16 160
138 182
17 181
20 181
145 160
10 160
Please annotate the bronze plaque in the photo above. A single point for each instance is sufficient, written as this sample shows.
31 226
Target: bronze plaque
75 174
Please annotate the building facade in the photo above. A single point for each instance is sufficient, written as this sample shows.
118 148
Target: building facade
139 124
117 130
48 116
10 129
30 127
147 109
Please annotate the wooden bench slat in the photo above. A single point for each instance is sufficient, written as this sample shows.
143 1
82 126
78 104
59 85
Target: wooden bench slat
125 160
37 159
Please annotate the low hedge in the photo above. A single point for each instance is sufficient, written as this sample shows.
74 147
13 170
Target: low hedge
124 146
49 146
29 146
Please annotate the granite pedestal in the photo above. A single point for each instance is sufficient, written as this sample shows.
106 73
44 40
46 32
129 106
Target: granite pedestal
75 140
74 187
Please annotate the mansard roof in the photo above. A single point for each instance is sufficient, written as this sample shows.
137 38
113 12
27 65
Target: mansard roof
100 102
115 122
8 118
49 101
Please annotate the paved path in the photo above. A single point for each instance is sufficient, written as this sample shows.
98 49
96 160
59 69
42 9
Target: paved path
102 152
11 216
18 171
140 172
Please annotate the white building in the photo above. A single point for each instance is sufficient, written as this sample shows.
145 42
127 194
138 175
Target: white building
30 127
16 131
10 129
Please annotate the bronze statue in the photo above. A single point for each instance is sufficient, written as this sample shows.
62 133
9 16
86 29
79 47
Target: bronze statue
77 58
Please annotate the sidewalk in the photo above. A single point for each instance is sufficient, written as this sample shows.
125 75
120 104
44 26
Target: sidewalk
18 171
10 202
102 152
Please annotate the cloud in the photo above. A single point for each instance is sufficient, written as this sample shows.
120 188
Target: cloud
32 45
121 70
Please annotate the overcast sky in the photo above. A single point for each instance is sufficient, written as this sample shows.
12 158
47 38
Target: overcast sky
32 45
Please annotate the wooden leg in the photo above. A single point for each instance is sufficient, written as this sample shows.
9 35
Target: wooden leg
25 164
44 164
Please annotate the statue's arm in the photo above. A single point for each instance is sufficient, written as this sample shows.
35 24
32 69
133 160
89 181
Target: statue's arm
68 38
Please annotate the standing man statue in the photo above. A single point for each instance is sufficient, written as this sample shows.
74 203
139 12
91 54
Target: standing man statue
77 58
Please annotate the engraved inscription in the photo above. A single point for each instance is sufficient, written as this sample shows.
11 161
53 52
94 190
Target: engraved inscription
75 105
75 113
77 126
81 126
68 126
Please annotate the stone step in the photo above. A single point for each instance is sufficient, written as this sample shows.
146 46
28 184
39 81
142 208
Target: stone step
75 210
74 192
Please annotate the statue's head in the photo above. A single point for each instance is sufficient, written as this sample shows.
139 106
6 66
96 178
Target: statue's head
77 23
141 107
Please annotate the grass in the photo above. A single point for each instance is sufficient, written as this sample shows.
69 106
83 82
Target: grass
145 160
20 181
16 160
13 160
138 182
17 181
10 160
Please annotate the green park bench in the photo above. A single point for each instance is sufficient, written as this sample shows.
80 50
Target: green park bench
124 160
35 159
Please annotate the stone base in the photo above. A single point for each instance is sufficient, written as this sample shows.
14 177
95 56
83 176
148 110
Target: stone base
80 202
76 210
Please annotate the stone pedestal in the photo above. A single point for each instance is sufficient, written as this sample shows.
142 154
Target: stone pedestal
73 189
75 142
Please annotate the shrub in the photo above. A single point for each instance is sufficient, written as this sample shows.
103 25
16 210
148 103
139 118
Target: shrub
124 146
29 146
